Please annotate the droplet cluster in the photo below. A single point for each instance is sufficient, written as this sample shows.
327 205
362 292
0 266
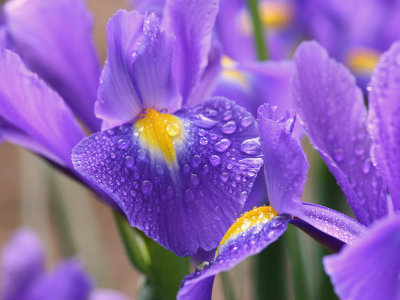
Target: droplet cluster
191 202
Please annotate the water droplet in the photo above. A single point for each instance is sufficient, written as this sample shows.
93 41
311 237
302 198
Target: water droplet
227 115
229 127
129 162
246 122
204 122
194 179
113 155
338 154
215 160
173 129
251 146
133 193
203 141
189 194
159 169
206 169
222 145
359 150
252 162
147 186
366 167
224 177
203 265
141 154
186 168
122 144
111 132
201 132
243 195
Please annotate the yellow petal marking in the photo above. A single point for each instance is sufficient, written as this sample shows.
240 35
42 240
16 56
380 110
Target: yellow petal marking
362 60
232 73
158 131
249 219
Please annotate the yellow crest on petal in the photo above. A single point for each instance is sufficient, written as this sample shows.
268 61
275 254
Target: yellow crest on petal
362 60
158 131
249 219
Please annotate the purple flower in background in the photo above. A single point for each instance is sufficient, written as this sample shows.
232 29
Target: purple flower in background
364 162
24 278
285 174
179 167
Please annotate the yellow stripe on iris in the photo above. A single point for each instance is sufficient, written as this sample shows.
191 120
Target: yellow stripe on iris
158 131
249 219
230 72
275 14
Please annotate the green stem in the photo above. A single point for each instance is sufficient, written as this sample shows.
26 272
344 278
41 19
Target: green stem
301 286
229 292
258 30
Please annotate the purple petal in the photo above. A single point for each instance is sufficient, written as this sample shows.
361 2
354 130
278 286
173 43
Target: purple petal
192 23
253 84
333 114
329 227
137 73
236 41
55 39
285 162
69 281
148 6
107 295
384 122
188 196
22 262
27 103
250 239
369 269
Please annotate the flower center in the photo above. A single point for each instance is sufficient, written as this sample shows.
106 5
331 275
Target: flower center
249 219
159 130
275 14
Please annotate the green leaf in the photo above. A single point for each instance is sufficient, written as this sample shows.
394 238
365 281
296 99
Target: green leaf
163 269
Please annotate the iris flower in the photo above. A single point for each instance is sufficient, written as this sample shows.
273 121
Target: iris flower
285 167
332 111
24 277
362 152
179 167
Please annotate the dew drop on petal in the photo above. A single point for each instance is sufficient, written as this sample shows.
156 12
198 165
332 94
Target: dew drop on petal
122 144
229 127
203 141
215 160
147 186
224 177
222 145
251 146
338 154
129 162
194 179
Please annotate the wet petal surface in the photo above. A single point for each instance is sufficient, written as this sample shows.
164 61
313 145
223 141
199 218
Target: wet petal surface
369 269
137 73
182 182
331 108
251 234
285 162
384 121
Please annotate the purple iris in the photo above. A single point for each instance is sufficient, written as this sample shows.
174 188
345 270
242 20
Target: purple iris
285 168
24 278
179 167
332 111
364 160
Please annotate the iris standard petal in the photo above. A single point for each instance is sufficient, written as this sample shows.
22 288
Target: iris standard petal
101 294
332 111
384 122
192 23
329 227
27 103
149 6
54 39
68 281
285 163
137 72
183 178
369 269
22 261
249 235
